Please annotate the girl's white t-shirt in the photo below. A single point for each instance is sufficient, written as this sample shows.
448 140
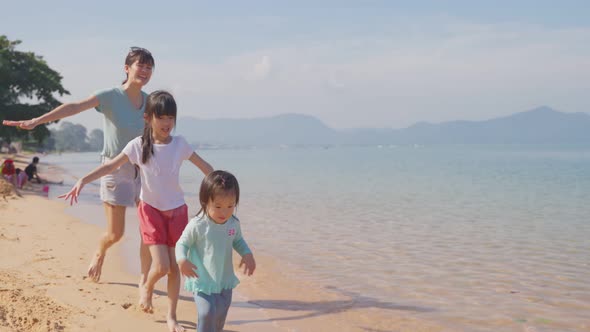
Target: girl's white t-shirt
160 185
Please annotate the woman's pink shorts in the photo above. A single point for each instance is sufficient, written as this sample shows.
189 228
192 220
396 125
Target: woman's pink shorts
161 227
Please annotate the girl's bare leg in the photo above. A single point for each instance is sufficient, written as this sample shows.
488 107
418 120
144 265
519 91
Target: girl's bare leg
173 293
145 259
160 267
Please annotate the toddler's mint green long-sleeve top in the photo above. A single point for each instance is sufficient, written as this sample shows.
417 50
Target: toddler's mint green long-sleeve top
208 246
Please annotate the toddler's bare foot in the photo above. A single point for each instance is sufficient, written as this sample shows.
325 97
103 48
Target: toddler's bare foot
145 299
95 268
173 325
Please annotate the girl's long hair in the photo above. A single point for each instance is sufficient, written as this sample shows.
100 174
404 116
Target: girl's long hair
217 183
159 103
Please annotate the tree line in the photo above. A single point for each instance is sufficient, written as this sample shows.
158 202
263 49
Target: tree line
73 137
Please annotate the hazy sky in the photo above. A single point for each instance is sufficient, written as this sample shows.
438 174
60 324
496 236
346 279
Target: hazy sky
348 63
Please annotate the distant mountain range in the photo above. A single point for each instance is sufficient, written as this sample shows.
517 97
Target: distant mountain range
541 125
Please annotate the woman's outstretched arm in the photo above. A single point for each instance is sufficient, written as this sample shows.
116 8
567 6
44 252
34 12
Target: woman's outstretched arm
60 112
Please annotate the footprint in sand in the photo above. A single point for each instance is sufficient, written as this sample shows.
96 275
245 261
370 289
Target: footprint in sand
25 308
43 284
41 259
6 238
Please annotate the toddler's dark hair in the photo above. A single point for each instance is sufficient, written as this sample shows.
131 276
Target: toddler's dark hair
217 183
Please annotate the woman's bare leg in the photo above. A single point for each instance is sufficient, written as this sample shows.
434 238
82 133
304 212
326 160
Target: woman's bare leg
115 228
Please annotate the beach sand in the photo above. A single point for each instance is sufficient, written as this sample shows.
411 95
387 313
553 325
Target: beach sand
43 285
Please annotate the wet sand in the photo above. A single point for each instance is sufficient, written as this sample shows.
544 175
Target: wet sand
45 254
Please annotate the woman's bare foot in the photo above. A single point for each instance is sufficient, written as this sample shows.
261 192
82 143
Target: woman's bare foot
173 325
145 299
95 268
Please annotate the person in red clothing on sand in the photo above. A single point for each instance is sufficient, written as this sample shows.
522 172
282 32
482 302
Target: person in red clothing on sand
9 174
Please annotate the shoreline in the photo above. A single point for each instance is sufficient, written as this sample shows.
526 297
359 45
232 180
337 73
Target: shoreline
40 257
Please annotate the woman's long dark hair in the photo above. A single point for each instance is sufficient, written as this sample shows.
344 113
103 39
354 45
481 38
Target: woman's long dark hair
159 103
140 55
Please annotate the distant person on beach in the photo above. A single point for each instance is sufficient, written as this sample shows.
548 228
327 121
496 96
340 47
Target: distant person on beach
9 174
31 170
8 169
204 251
122 107
21 178
162 211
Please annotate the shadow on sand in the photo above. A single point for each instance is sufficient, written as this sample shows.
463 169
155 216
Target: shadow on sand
311 309
186 324
156 292
319 308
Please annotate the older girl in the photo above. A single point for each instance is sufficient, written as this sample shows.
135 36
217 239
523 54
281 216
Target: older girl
162 211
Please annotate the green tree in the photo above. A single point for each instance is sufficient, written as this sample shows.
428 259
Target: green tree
27 90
